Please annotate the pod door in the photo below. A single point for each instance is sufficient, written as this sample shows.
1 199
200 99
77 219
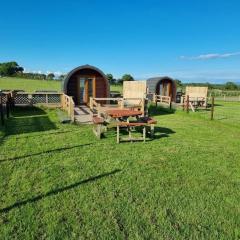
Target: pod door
85 90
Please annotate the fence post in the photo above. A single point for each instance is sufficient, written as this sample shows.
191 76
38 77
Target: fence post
1 110
187 104
212 108
46 99
7 106
183 103
30 99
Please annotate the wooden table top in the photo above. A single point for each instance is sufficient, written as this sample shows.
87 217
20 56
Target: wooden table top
118 113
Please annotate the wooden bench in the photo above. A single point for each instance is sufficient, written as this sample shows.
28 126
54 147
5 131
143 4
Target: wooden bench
151 122
98 126
142 122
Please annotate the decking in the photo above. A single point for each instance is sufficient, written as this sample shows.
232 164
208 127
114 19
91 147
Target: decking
82 114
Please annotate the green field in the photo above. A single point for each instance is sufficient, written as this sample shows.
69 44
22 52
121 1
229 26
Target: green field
59 182
31 85
28 85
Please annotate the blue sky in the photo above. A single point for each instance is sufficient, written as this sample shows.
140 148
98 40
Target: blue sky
188 40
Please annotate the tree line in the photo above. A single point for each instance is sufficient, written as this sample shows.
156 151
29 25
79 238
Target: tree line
12 69
230 86
125 77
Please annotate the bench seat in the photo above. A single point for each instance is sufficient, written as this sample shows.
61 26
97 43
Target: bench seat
141 122
98 126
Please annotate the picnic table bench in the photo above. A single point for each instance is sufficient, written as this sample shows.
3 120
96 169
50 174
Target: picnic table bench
122 121
98 126
142 122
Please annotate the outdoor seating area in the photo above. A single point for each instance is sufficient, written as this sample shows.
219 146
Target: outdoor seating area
195 98
85 100
124 119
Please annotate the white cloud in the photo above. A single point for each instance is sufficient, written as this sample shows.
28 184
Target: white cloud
211 56
58 73
187 75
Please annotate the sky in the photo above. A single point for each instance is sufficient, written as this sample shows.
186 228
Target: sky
194 41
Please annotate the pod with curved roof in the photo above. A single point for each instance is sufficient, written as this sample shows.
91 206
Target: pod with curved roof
164 86
84 82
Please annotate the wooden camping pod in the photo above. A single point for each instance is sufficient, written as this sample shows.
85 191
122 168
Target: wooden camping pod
164 86
84 82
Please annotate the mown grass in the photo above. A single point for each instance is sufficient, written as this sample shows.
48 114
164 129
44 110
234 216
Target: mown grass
225 112
31 85
60 182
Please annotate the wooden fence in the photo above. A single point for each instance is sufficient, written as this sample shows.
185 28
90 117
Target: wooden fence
30 99
6 104
68 105
49 99
162 99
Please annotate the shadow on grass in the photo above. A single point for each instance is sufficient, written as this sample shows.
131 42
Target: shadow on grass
159 110
28 120
159 132
56 191
27 111
48 151
47 134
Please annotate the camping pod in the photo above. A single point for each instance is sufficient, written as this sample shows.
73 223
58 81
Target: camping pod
84 82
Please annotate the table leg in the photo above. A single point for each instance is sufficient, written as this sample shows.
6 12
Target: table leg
144 133
118 138
152 130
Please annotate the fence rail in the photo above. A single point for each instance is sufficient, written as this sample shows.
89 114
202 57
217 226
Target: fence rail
68 105
49 99
228 98
29 99
162 99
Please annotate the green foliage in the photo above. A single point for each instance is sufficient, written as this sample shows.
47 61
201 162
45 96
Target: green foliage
126 77
211 86
109 77
10 68
60 182
179 83
50 76
29 75
61 77
231 86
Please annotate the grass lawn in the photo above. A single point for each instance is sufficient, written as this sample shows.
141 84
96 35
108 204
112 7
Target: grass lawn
59 182
28 85
225 112
31 85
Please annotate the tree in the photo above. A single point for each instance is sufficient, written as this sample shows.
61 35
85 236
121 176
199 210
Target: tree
127 77
109 77
61 77
10 68
179 83
231 86
50 76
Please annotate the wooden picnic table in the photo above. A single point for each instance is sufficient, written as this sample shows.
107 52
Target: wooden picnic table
123 113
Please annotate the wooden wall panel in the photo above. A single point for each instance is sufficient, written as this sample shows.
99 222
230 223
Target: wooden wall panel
196 92
134 89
